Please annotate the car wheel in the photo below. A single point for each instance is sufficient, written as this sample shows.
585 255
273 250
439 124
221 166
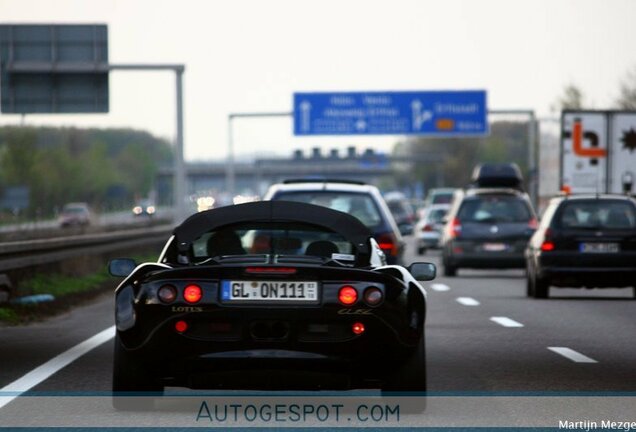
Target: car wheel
541 287
529 282
411 376
129 375
421 250
450 270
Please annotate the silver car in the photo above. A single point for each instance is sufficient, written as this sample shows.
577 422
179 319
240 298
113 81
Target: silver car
428 229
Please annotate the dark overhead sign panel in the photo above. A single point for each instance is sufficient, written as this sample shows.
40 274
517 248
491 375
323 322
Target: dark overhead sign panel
53 68
391 113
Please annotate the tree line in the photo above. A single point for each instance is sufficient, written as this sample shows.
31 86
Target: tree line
107 168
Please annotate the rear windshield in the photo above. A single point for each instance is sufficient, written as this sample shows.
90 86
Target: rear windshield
595 214
436 215
399 209
494 209
358 205
259 238
445 198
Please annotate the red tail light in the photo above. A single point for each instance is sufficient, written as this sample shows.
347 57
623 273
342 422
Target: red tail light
427 228
455 228
192 293
533 223
181 326
548 244
270 270
357 328
388 244
347 295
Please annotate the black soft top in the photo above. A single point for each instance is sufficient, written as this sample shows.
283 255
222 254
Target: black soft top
344 224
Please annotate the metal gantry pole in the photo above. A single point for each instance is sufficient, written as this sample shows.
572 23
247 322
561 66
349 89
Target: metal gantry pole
179 180
179 165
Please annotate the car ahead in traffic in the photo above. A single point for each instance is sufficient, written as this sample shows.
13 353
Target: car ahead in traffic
75 214
358 199
439 196
144 208
488 226
318 309
583 241
403 213
429 228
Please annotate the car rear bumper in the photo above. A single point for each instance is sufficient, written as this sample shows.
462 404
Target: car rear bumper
591 277
486 260
476 253
428 241
258 363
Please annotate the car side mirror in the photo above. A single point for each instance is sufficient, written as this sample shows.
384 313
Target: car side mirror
121 267
423 271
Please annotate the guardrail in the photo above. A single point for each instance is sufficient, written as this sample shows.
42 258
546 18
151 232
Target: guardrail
29 253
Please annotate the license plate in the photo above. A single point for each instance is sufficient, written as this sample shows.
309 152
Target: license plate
599 247
269 291
495 247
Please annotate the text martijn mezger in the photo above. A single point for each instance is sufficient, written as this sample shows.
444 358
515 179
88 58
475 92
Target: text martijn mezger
588 425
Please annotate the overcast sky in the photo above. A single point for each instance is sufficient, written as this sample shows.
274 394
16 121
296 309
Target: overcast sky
252 55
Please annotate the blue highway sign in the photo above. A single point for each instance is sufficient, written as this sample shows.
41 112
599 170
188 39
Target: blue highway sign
391 113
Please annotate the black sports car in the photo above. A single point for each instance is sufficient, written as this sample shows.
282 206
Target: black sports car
270 295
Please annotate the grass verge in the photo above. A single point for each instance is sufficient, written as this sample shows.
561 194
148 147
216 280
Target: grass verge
69 291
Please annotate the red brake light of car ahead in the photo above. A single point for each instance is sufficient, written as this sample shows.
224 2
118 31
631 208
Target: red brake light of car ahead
357 328
270 270
388 244
347 295
427 228
192 293
548 244
455 228
533 223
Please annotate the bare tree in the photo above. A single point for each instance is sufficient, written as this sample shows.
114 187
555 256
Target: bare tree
572 98
627 98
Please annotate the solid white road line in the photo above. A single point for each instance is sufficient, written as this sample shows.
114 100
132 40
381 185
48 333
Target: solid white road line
572 355
506 322
467 301
440 287
41 373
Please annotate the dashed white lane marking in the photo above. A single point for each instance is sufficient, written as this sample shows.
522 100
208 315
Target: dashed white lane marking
440 287
572 355
506 322
41 373
467 301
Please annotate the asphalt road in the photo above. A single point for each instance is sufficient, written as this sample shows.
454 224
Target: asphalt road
483 336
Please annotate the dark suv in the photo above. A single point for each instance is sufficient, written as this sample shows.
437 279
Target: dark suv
488 226
583 241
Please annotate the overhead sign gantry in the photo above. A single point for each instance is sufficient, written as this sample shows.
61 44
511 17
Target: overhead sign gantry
433 113
63 68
